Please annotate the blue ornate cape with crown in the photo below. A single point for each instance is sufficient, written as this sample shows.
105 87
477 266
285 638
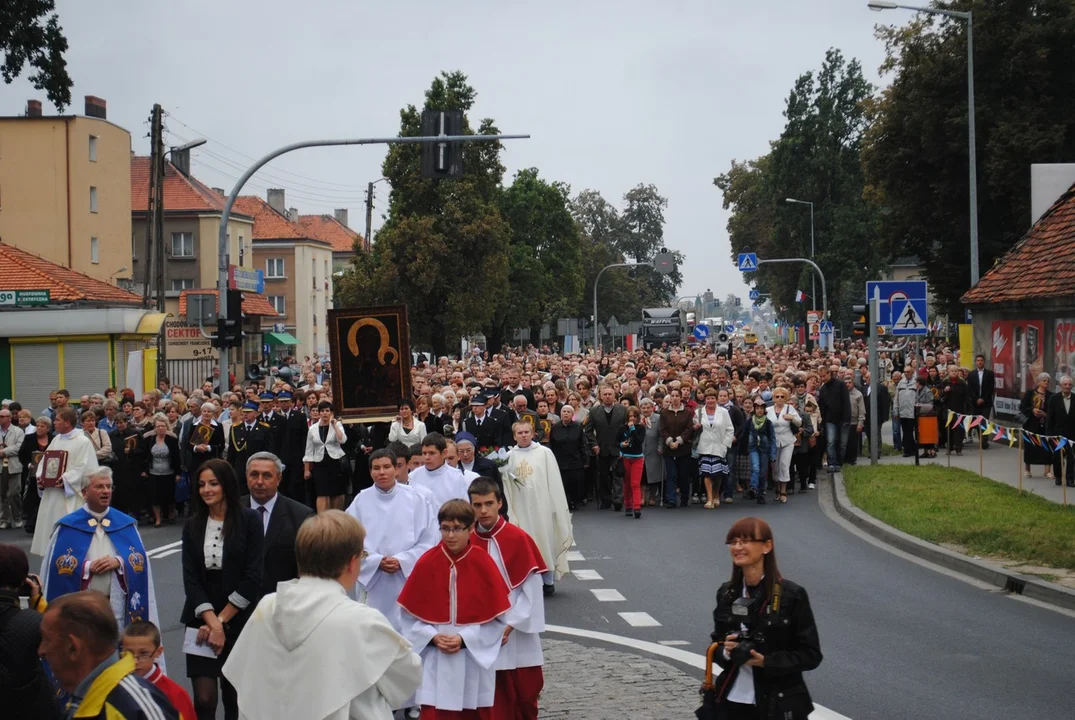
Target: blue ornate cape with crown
65 566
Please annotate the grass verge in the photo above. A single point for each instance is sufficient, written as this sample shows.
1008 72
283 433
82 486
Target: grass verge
950 505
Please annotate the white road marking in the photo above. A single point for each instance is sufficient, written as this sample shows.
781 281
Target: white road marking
587 575
166 553
639 619
608 595
169 546
669 653
575 556
675 642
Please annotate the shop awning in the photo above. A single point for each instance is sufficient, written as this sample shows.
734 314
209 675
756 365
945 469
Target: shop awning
150 324
280 338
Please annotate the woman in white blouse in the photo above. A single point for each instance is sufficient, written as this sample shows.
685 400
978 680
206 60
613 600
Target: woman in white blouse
407 428
786 421
324 449
715 432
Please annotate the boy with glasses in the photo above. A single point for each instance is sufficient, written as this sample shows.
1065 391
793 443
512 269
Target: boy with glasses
142 640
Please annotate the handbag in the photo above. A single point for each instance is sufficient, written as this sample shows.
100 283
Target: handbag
182 487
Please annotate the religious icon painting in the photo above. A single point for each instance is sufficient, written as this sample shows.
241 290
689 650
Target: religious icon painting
371 361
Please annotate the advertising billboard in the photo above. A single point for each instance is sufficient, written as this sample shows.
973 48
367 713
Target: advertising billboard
1018 357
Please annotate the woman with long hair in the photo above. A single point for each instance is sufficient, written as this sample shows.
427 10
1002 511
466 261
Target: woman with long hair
222 571
765 681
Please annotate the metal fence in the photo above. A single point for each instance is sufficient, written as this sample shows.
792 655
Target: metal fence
191 373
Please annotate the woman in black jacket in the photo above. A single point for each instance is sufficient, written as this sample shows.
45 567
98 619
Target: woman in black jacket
768 684
222 570
162 465
570 446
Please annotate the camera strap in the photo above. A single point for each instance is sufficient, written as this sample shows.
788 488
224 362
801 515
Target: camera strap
774 606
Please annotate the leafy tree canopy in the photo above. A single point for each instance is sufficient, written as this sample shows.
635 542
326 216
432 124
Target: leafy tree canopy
30 34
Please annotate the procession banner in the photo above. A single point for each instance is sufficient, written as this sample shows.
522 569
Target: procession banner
371 361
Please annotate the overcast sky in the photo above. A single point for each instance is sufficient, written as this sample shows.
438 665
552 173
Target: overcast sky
614 92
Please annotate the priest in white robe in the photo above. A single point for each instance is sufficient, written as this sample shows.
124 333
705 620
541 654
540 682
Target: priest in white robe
453 604
98 548
436 475
538 502
309 651
400 527
519 677
66 498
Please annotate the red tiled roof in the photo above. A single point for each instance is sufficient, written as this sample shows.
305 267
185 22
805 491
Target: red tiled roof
20 270
253 303
327 228
1041 265
181 193
269 224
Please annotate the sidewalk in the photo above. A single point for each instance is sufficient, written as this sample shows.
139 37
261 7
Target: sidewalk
1000 462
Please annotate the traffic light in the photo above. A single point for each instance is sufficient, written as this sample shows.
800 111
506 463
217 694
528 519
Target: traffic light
738 302
442 159
860 327
230 331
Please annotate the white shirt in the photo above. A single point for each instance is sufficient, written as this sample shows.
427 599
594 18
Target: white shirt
213 547
743 688
254 505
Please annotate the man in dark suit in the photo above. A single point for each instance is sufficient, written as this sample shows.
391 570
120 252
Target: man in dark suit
248 437
884 405
503 416
607 420
1060 420
280 519
983 386
485 428
511 386
273 419
292 446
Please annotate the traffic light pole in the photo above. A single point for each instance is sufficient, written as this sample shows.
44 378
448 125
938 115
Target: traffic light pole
875 376
222 237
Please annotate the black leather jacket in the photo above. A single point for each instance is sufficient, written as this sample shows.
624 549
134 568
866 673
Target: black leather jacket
790 647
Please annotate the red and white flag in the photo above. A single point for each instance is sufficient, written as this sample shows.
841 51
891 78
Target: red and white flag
799 296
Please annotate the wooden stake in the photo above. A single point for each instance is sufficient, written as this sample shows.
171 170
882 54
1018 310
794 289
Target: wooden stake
981 459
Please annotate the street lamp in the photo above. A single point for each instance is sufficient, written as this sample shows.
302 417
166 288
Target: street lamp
878 6
813 286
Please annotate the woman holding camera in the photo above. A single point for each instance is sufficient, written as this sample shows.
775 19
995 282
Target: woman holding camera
771 618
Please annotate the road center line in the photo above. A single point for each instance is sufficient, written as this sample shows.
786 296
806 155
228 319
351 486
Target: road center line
608 595
575 556
586 575
639 619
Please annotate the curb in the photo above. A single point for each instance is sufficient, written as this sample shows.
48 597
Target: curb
987 572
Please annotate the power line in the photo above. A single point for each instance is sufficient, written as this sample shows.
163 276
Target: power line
248 157
290 193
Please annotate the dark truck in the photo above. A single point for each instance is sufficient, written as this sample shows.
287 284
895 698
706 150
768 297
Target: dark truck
663 326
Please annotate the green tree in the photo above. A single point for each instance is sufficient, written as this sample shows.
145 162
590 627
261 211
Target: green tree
916 153
30 34
545 275
443 249
817 158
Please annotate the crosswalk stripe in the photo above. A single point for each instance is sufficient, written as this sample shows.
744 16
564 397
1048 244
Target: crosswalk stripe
587 575
574 556
639 619
608 595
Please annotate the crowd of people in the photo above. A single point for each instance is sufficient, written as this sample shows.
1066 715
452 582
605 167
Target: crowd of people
492 452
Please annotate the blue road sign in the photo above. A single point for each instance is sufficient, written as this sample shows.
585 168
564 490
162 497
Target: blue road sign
894 291
748 262
701 332
826 328
729 328
909 317
754 295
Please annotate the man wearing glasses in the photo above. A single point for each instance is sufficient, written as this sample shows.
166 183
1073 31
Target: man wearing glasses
452 605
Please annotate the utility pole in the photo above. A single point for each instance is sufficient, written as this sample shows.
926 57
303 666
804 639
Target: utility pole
155 228
369 214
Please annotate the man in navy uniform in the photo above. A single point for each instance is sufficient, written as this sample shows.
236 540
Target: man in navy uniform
273 419
247 437
485 428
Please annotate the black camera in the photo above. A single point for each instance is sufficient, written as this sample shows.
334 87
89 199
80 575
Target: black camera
744 612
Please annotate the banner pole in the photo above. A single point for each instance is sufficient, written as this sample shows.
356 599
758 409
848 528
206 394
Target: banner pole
1019 462
981 459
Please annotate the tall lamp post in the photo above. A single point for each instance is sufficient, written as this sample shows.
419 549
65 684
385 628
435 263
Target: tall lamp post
596 333
813 285
878 6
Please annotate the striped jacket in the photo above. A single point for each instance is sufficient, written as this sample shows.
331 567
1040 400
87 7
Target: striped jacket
118 694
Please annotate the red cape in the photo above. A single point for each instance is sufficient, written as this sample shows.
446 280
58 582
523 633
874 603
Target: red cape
518 550
480 592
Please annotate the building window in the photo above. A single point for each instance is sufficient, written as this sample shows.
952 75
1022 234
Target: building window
274 268
95 251
93 148
182 283
277 302
183 244
134 246
242 250
93 199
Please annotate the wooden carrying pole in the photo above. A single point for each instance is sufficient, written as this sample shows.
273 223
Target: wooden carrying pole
1019 462
981 459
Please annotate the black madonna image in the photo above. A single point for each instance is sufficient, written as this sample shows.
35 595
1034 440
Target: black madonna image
371 360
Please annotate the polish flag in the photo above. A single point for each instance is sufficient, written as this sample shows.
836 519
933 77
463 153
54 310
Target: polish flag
799 296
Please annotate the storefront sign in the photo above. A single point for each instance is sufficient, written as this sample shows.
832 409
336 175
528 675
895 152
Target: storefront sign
1018 358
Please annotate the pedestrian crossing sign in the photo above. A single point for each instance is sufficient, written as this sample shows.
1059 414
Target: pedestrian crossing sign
909 317
748 262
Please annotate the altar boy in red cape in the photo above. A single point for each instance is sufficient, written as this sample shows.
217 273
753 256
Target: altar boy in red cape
519 679
453 603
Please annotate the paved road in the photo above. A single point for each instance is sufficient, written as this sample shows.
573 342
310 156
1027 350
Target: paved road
900 640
